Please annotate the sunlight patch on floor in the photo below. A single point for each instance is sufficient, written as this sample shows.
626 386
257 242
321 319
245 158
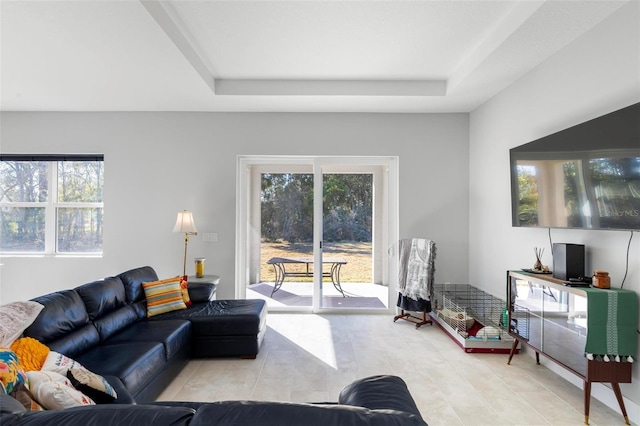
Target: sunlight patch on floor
319 343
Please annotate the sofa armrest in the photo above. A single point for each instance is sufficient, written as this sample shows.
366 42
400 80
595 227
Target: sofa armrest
124 396
202 292
379 393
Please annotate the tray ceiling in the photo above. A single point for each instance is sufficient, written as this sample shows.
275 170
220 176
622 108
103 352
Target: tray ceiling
328 56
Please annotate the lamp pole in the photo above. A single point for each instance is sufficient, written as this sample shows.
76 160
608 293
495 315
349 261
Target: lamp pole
184 223
186 241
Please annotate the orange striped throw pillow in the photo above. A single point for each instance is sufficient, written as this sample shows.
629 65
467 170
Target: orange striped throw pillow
163 296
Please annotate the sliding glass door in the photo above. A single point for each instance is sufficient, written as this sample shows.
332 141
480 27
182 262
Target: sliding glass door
313 232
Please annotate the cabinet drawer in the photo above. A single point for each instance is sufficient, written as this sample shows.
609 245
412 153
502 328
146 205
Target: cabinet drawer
618 372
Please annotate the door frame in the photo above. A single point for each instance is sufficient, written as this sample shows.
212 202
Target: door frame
246 226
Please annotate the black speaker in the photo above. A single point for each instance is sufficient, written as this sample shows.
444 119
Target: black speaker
568 261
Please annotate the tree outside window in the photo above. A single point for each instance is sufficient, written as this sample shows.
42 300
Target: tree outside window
51 204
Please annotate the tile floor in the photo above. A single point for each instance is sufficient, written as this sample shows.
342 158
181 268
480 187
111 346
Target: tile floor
309 358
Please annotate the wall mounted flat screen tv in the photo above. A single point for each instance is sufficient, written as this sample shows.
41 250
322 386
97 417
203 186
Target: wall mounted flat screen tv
583 177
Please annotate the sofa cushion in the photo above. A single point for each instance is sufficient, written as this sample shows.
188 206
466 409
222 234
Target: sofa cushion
31 352
80 377
102 296
105 302
133 279
54 391
173 334
63 325
134 363
15 317
59 363
11 372
63 312
224 317
163 296
93 385
115 321
76 342
184 287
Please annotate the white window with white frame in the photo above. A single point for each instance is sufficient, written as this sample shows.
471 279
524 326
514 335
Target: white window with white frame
51 204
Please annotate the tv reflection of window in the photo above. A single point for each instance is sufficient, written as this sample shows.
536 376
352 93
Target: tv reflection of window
551 192
575 203
601 193
528 195
616 190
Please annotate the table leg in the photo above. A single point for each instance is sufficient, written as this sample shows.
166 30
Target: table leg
278 269
587 399
616 390
514 346
335 277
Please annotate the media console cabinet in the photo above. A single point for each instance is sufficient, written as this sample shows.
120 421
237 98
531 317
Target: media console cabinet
551 319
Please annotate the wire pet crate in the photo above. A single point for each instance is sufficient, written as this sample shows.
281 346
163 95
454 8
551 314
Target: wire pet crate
472 317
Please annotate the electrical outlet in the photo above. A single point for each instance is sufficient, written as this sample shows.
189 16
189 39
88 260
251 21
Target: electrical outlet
210 237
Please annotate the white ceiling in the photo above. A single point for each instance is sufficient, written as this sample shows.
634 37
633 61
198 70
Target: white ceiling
329 56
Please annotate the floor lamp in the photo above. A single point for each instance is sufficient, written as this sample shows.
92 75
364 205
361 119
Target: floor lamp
185 224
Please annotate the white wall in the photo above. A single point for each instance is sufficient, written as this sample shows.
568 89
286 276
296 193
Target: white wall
596 74
159 163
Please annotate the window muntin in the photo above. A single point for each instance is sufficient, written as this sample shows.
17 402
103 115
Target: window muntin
52 205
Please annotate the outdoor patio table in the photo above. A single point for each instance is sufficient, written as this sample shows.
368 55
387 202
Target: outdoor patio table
281 272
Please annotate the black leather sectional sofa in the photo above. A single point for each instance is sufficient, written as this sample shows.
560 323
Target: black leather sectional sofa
373 401
103 326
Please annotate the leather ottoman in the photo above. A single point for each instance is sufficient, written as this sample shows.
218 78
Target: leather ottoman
222 328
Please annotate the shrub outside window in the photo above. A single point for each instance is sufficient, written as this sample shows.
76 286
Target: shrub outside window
51 204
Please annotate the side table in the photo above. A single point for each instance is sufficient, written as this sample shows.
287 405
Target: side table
202 289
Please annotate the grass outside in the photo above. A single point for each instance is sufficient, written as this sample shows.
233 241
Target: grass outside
357 254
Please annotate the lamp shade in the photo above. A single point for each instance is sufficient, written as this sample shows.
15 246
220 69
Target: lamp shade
184 223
